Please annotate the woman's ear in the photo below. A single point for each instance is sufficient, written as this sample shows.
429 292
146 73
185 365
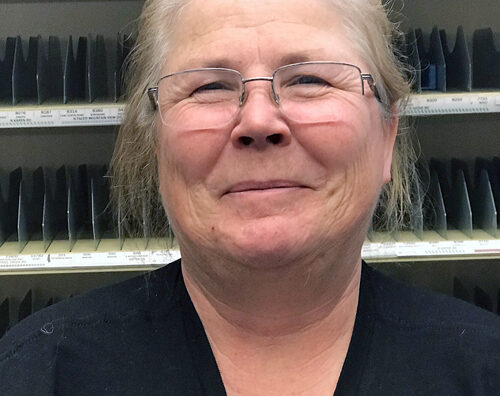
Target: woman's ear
391 131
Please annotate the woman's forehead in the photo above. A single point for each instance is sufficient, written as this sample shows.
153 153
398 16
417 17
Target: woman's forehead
210 29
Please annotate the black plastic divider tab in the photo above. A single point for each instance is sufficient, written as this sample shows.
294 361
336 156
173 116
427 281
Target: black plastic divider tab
123 46
48 71
494 172
458 62
22 216
414 59
3 210
48 216
6 67
36 204
99 205
4 316
145 225
462 208
55 68
486 60
484 209
26 306
97 82
24 83
71 212
436 209
74 77
119 221
43 76
8 215
482 299
433 66
460 291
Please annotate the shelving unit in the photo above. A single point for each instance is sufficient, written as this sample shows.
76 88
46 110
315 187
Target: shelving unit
452 124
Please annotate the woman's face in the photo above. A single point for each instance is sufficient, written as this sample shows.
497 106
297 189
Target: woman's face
264 189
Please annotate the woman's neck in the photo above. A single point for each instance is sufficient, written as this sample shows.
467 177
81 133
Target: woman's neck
279 332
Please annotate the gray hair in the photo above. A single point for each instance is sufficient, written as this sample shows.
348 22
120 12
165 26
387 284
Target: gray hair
133 170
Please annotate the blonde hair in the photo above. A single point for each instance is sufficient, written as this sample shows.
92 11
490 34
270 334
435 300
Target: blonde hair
134 174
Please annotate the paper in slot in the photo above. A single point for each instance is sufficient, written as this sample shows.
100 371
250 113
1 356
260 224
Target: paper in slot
458 62
432 62
4 316
485 60
6 66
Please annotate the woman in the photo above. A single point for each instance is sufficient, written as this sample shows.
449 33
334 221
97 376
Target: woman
269 135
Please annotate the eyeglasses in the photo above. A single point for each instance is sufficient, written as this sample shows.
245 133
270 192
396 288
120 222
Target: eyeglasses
306 92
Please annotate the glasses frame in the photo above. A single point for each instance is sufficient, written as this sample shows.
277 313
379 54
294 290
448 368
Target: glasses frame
153 92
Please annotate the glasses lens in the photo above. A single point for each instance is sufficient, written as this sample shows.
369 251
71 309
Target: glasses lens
199 99
315 92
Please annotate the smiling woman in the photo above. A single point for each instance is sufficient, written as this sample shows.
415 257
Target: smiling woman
262 134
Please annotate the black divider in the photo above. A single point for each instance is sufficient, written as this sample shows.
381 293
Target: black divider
486 60
4 316
458 62
24 84
482 299
123 46
96 73
9 208
99 198
432 62
413 59
49 71
74 71
22 216
26 306
460 291
6 66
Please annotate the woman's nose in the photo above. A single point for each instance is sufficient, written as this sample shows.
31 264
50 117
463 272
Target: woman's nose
260 121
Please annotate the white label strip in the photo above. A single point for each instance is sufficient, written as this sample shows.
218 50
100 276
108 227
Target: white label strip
88 260
61 116
453 103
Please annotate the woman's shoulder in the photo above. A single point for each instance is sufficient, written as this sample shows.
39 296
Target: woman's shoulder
117 303
427 342
414 307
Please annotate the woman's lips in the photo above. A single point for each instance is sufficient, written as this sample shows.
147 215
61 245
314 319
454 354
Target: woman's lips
250 186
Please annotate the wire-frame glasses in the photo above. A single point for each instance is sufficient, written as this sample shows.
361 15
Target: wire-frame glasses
306 92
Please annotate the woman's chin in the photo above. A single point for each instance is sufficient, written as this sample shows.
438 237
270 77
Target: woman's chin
267 244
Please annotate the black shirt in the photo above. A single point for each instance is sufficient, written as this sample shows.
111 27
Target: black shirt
144 337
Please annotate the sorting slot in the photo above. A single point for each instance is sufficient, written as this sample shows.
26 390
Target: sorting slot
438 68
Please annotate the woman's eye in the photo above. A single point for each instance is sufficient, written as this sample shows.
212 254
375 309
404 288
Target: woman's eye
307 80
217 85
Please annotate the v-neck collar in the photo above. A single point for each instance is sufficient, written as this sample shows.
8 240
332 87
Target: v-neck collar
208 374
